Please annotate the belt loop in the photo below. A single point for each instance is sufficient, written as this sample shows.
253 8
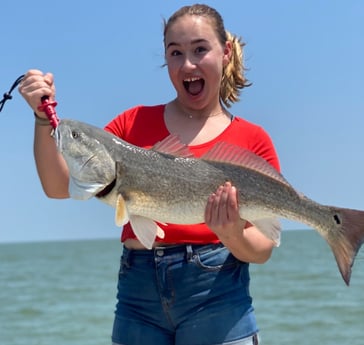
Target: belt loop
189 253
126 256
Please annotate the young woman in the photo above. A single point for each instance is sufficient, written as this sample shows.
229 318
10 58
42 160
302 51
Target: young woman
192 288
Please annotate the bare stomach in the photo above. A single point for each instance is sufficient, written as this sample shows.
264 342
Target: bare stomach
136 245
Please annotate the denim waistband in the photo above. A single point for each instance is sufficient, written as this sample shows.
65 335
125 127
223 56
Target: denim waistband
188 249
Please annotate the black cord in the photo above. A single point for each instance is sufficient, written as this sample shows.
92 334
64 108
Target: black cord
7 95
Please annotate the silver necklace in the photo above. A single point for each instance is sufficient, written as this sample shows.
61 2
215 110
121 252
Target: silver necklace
215 114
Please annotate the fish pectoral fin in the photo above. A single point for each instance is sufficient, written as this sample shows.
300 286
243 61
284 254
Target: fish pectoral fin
121 212
270 227
146 230
160 232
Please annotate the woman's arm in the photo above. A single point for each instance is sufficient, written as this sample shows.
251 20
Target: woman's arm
51 167
222 217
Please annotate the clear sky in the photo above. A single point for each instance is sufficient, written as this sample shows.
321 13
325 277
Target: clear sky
305 61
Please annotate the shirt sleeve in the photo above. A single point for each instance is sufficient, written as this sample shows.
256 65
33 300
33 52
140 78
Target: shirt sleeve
117 126
263 146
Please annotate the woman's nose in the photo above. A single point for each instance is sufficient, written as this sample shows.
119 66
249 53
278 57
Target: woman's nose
189 63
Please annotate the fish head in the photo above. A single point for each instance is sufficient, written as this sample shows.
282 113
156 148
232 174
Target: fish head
88 157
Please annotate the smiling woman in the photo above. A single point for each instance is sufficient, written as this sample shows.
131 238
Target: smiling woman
198 274
196 41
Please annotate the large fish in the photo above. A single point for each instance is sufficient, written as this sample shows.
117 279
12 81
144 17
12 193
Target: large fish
166 185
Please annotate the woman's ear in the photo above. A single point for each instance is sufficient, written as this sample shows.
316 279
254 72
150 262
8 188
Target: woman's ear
227 53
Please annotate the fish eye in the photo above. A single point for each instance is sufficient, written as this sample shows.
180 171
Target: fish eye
75 134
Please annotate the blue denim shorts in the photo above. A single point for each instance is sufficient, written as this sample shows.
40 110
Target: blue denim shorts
183 295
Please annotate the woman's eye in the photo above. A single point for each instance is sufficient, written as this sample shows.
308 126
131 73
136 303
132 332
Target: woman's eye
200 50
175 53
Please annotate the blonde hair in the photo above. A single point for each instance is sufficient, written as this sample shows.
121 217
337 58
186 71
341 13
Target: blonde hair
233 79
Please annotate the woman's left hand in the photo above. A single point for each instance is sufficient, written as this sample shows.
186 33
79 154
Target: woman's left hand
222 212
222 216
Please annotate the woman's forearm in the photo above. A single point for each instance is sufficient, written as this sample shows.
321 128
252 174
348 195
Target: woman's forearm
249 245
51 167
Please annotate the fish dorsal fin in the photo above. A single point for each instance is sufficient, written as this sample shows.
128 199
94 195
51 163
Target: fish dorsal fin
233 154
172 145
146 230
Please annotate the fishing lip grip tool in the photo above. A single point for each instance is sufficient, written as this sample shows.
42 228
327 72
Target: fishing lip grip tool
47 106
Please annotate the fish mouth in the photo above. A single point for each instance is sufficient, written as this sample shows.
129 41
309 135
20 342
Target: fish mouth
106 190
56 136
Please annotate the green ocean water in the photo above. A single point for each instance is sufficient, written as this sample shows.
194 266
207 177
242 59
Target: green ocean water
64 293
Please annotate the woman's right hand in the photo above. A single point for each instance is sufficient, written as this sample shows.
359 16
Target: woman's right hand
34 86
51 167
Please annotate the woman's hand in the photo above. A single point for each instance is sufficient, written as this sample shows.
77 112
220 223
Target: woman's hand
222 216
34 86
222 212
51 167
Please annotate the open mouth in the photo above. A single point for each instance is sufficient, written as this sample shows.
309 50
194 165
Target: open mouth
194 85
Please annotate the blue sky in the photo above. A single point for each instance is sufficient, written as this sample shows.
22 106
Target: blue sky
305 60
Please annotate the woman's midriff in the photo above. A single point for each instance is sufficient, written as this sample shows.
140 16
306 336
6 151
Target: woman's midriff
136 245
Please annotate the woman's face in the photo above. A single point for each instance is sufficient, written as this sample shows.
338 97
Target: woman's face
195 60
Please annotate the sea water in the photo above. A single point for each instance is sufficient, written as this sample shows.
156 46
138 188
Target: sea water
64 293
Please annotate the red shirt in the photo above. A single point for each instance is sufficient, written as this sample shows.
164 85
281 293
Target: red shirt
144 126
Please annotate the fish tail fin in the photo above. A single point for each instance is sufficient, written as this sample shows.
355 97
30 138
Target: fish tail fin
346 243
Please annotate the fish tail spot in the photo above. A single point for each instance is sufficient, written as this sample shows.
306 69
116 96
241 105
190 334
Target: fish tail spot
346 240
337 219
